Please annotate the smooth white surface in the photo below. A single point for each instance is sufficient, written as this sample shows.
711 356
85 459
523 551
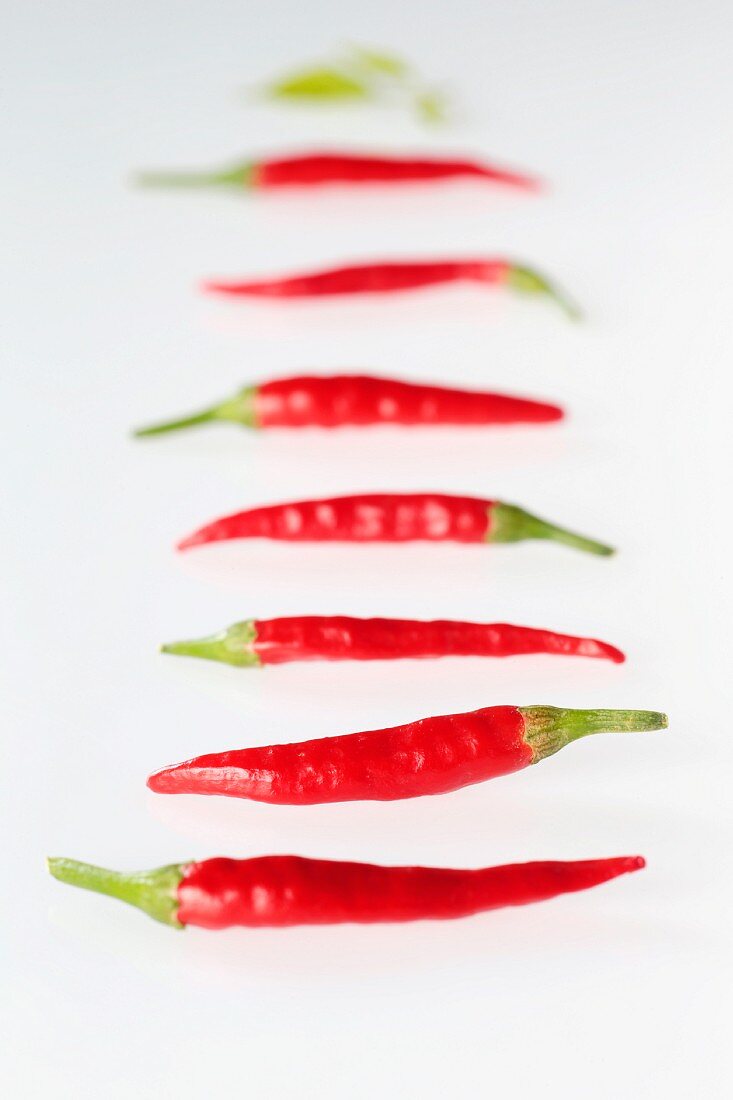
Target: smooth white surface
626 109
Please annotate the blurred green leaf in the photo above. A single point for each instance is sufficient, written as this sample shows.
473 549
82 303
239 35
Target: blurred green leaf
320 84
432 106
358 74
384 64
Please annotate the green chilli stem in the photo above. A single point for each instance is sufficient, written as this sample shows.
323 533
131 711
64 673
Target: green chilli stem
549 729
527 281
242 175
233 646
239 409
173 425
155 892
508 523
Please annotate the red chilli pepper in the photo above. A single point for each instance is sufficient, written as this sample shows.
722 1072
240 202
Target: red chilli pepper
348 400
318 169
430 756
280 891
388 276
343 638
390 517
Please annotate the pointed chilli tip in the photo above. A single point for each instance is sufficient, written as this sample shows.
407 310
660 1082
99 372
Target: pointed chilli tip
216 286
612 867
164 780
195 539
532 184
626 865
219 530
615 866
606 651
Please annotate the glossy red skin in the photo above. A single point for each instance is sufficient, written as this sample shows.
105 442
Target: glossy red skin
278 891
430 756
368 517
372 278
324 168
343 638
358 400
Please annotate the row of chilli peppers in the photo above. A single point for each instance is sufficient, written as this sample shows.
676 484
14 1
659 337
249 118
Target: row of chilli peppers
427 757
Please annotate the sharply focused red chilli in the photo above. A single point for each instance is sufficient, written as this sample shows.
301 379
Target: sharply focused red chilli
279 891
256 642
427 757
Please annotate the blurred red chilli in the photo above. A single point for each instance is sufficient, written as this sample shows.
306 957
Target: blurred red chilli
359 400
390 517
327 168
393 275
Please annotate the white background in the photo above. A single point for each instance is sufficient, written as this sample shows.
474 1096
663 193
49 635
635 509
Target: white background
625 108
